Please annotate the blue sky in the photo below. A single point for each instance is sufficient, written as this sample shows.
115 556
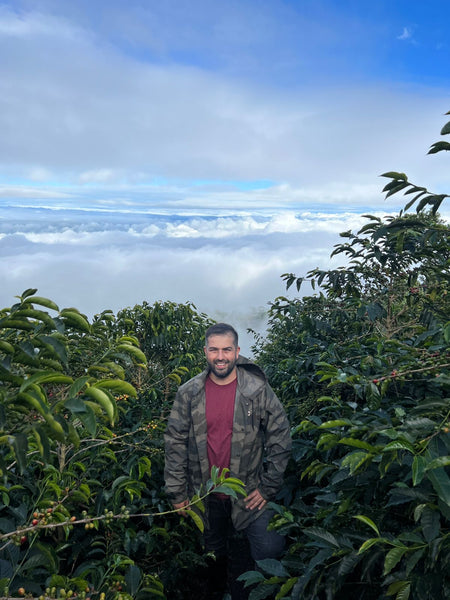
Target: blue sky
195 151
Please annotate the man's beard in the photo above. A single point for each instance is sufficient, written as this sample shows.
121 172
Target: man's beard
222 373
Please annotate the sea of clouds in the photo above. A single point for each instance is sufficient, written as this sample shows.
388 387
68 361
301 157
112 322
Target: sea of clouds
228 266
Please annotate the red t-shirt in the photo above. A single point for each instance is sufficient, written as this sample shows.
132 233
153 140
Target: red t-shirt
219 421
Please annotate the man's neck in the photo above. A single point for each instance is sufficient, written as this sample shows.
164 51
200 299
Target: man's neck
223 380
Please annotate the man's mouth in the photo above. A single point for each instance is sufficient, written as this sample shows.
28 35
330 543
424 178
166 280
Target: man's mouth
221 365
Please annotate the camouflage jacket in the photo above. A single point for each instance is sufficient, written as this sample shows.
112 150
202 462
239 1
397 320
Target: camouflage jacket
260 445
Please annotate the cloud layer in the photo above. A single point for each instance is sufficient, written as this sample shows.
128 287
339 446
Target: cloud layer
193 151
229 267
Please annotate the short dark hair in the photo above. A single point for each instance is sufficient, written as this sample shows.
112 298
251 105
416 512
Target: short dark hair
221 329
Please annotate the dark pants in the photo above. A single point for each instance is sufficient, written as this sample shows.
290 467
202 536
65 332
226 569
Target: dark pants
236 552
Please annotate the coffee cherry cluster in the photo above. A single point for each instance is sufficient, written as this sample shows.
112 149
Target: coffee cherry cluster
124 513
19 538
109 515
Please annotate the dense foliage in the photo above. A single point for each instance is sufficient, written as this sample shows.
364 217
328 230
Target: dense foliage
83 510
362 368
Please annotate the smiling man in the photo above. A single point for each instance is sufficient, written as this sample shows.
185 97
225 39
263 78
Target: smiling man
228 417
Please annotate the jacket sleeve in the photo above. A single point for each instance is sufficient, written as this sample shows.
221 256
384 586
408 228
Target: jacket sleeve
176 450
278 445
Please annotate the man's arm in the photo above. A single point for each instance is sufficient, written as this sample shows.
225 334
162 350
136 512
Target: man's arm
278 444
176 452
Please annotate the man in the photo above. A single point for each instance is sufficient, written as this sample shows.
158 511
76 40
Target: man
228 416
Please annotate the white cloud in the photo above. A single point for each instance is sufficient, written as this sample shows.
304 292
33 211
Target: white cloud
24 191
406 34
232 277
98 176
99 117
39 174
167 109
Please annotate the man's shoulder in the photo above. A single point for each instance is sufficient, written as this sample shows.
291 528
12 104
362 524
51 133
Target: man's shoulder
251 378
194 385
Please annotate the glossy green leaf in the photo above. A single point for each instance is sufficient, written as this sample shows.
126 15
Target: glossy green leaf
441 484
116 386
286 588
322 535
272 567
45 377
41 302
55 346
441 461
368 522
418 469
399 445
196 518
135 353
369 543
335 423
393 557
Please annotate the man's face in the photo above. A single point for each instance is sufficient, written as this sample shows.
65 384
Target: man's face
221 356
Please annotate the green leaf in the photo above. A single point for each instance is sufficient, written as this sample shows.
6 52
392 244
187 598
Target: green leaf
214 474
359 444
134 352
145 466
26 293
88 419
16 324
45 377
404 593
133 579
441 461
356 460
322 535
438 147
117 386
197 502
75 319
414 559
229 491
38 315
6 347
399 445
395 175
286 587
55 346
20 445
393 557
368 522
441 484
251 578
430 521
335 423
418 469
397 188
196 518
41 302
369 543
273 567
396 588
446 129
78 385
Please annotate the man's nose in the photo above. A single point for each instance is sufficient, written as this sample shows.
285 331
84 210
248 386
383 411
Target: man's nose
220 355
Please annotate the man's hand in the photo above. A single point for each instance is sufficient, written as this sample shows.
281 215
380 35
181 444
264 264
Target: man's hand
180 505
255 500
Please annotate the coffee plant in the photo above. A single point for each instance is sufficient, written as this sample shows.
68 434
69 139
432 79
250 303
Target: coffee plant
83 512
363 368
